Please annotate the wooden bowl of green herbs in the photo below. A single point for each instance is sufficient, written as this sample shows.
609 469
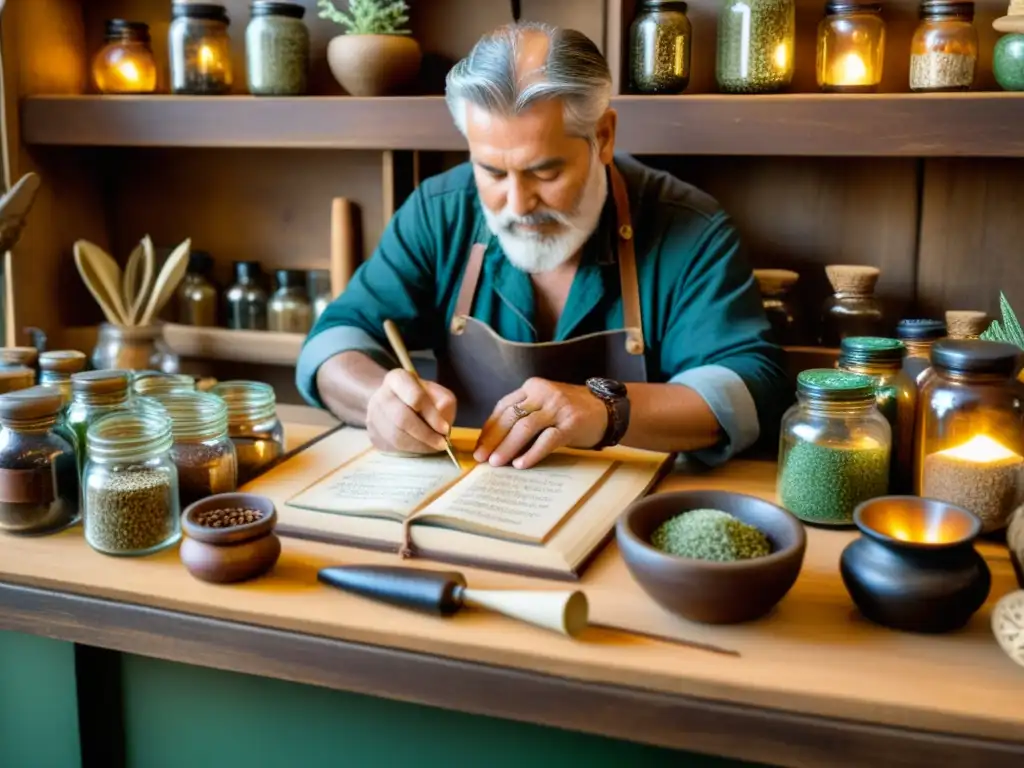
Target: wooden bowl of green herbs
715 557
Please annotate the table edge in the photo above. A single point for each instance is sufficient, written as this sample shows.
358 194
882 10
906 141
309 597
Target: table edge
766 735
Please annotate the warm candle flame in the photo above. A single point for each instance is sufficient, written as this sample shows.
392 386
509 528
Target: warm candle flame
852 70
781 55
206 55
981 449
129 71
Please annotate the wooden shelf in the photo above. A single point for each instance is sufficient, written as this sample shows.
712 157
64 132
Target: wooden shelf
913 125
267 347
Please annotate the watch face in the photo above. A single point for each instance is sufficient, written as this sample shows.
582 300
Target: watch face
606 387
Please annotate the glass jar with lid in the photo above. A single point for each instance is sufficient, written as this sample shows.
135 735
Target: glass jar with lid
57 367
15 377
277 49
851 47
918 335
253 425
659 48
203 453
756 45
971 429
39 490
853 310
27 357
895 395
944 48
125 64
197 295
130 484
94 394
289 309
246 300
200 49
775 285
157 383
834 447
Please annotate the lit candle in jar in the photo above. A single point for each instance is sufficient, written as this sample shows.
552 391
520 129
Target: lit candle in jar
850 70
125 64
851 45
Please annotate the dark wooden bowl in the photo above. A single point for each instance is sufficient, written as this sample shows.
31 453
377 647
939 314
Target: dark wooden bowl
707 591
238 553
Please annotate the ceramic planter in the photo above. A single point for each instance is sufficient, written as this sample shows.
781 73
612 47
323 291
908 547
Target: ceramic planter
374 65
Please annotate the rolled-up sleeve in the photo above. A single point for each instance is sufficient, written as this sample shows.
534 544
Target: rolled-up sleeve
397 282
718 341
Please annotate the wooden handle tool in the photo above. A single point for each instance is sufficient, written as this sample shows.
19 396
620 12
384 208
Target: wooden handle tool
343 244
444 593
395 338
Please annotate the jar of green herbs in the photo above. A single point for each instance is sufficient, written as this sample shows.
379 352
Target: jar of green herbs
94 394
756 45
659 48
834 447
895 394
277 49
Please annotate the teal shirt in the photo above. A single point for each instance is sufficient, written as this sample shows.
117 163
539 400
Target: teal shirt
703 322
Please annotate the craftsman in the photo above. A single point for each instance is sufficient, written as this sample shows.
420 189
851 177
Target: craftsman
571 295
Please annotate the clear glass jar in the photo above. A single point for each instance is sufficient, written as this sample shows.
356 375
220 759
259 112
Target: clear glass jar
125 64
834 447
15 377
197 295
659 48
318 288
130 484
756 45
971 429
853 310
94 394
851 47
246 300
253 425
895 396
277 49
200 49
918 335
157 383
39 490
944 48
775 285
57 367
289 309
203 453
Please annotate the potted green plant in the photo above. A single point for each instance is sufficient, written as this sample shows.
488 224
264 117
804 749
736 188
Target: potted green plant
375 56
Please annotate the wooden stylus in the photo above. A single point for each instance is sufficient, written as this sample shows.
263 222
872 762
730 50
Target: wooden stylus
403 357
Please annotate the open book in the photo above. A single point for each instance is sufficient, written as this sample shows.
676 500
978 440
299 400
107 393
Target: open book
548 519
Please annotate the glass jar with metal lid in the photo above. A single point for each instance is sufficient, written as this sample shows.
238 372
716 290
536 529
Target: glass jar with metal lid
971 429
834 447
39 490
203 453
15 377
944 48
289 309
895 395
660 40
130 484
200 49
252 424
94 394
851 47
158 383
918 335
756 45
277 49
57 367
125 64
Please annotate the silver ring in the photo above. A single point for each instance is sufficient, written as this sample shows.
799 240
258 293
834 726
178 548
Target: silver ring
519 411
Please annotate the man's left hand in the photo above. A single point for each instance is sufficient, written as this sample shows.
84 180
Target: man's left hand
548 415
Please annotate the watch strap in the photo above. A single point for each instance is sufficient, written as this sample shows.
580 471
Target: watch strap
616 401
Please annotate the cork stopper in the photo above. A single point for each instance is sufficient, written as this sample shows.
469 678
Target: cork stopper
852 279
1013 21
966 323
775 282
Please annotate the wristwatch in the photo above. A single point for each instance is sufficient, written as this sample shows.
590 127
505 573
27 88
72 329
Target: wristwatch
613 394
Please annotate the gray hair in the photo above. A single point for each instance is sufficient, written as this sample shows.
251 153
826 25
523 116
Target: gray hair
575 72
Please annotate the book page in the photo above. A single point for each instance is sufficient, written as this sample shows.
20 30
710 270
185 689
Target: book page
379 485
522 504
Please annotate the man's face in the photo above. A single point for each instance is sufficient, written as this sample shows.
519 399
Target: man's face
542 189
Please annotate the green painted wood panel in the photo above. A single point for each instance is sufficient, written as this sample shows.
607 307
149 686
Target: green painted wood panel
180 715
38 708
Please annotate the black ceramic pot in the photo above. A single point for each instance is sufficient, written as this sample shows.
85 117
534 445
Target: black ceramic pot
915 567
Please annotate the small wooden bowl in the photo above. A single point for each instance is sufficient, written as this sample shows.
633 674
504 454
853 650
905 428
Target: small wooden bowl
238 553
708 591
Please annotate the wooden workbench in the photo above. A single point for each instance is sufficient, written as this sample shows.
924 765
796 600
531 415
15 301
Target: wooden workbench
815 683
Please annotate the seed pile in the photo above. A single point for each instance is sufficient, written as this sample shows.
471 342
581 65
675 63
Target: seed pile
755 46
941 71
710 534
822 484
130 511
227 518
991 491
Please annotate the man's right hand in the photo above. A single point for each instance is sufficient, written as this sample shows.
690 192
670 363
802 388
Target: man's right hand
400 416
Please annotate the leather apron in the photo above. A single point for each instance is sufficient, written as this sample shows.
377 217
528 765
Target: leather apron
481 367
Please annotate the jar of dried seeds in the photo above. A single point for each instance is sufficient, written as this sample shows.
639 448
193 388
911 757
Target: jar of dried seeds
38 471
659 48
834 447
202 451
130 484
252 424
57 367
94 394
277 49
756 45
944 49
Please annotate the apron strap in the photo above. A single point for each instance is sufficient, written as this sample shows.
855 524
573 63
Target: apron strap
629 283
467 291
